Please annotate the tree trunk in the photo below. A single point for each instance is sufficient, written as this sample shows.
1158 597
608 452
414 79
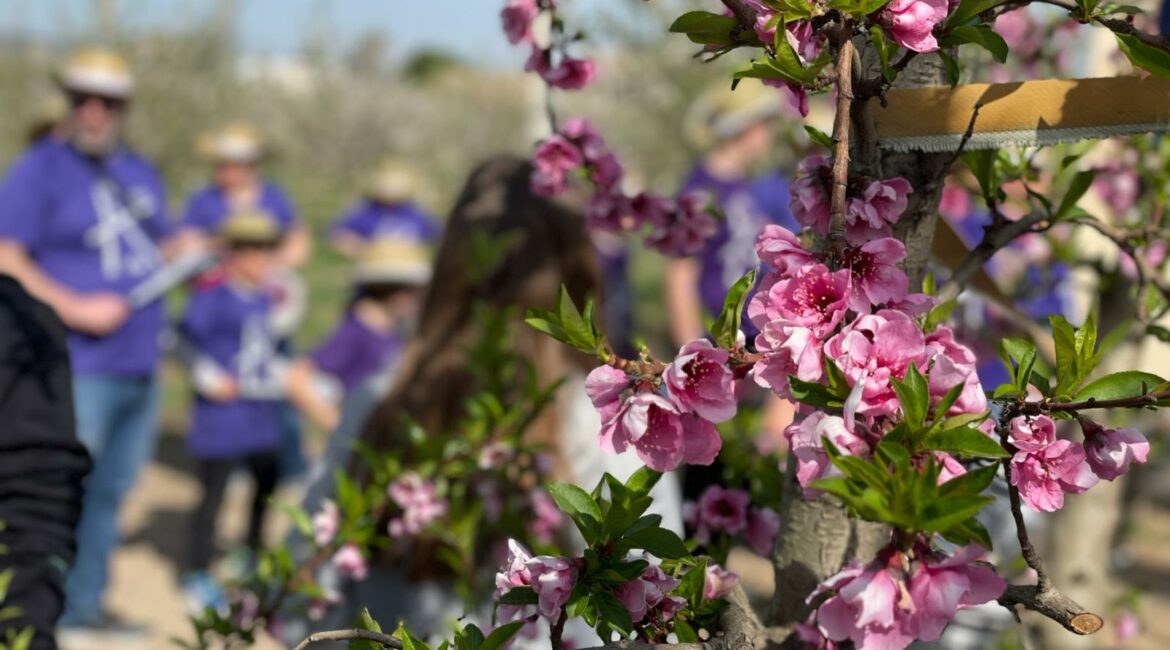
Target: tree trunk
816 537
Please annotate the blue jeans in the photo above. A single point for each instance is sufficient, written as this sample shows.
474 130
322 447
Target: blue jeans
117 422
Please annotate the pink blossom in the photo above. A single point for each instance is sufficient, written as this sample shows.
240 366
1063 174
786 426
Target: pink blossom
1110 452
719 582
1021 33
1118 187
646 595
517 16
419 502
873 349
953 365
877 280
651 208
802 38
699 380
569 74
553 159
765 27
804 442
940 585
1153 254
687 228
547 517
349 562
552 579
910 23
1032 434
813 297
809 202
493 455
786 351
604 385
514 573
659 434
1126 626
609 211
760 533
867 607
870 215
955 203
721 509
1043 476
949 468
325 523
780 249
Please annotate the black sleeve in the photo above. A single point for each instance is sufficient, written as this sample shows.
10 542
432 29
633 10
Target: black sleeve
42 464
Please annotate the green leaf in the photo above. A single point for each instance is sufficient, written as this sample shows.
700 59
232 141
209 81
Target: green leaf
951 68
726 326
690 586
947 512
968 9
612 613
408 640
813 393
786 66
299 518
642 481
972 483
706 28
981 35
1119 385
894 453
790 10
944 405
469 638
1076 189
1146 57
968 531
685 633
500 636
580 335
819 137
580 507
518 596
1066 354
966 442
982 166
857 8
659 542
913 395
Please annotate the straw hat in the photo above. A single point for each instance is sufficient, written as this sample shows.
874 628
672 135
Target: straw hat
721 113
239 142
250 227
393 260
97 71
392 182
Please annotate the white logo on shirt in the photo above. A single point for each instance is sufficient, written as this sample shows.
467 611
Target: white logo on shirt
125 249
744 223
255 366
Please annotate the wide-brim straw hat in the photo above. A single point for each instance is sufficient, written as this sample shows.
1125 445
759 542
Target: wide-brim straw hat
393 260
720 113
393 182
238 143
97 71
250 227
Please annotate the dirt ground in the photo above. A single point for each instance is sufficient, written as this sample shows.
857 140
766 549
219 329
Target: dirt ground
144 585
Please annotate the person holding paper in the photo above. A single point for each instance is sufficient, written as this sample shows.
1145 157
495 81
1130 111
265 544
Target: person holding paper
236 418
81 224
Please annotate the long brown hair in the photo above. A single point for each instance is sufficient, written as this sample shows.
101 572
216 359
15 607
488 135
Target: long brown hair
544 246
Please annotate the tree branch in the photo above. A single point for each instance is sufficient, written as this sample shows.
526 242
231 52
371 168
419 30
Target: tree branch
841 124
350 635
994 238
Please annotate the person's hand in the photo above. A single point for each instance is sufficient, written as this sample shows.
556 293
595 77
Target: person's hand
224 389
96 314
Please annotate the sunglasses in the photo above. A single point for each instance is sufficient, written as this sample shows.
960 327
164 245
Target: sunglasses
77 100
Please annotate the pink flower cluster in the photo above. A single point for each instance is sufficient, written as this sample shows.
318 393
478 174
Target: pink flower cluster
349 562
551 577
645 597
419 502
729 511
718 582
910 23
325 523
679 226
871 207
667 420
800 36
897 599
569 73
1044 467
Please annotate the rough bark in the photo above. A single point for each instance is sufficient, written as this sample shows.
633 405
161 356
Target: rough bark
816 537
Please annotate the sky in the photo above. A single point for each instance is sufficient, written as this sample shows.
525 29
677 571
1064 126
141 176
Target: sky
268 27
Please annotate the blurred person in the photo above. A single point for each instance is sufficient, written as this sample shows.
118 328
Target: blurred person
49 117
388 209
82 224
236 417
41 464
390 276
736 129
543 246
236 152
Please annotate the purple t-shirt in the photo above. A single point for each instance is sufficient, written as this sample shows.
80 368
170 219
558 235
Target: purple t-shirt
369 219
92 225
208 207
230 325
749 204
354 352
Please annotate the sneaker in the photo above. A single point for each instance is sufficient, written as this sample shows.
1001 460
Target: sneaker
200 591
103 629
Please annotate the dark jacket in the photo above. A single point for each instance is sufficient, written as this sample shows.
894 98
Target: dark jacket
42 464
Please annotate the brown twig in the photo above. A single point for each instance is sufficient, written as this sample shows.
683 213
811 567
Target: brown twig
386 640
841 124
557 631
1036 408
994 238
